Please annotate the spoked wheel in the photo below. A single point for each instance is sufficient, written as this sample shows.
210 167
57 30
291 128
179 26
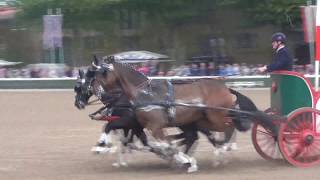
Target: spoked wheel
298 139
265 142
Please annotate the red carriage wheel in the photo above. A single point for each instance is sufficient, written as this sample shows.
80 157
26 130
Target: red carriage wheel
298 139
265 142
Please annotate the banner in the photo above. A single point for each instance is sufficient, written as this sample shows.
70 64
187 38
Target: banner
318 32
308 15
52 31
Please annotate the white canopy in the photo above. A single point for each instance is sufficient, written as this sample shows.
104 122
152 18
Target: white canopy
8 63
139 56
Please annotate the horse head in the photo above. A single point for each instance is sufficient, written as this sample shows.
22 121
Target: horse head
105 74
83 88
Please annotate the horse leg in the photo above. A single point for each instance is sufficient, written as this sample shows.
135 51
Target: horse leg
209 135
121 157
126 139
141 135
222 152
154 120
104 143
190 136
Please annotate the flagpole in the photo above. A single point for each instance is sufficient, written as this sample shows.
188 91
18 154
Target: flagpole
317 46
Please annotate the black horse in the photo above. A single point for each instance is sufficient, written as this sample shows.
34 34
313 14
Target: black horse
125 119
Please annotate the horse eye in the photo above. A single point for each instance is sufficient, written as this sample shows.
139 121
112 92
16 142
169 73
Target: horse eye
105 73
77 88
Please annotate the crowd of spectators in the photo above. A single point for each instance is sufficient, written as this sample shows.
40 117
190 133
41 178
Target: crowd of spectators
38 72
150 69
211 69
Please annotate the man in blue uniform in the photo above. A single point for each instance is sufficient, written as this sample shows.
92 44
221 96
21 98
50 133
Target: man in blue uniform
281 58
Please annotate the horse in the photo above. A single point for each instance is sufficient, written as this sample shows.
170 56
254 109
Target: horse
208 102
154 98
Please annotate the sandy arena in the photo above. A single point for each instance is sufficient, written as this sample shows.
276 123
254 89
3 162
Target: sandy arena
43 136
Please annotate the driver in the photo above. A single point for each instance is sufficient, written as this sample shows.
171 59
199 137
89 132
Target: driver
281 58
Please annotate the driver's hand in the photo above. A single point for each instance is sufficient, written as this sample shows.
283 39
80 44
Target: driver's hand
262 69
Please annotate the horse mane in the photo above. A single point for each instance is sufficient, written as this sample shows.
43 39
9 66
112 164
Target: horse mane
127 68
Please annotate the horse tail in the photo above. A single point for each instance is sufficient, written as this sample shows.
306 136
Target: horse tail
242 121
244 102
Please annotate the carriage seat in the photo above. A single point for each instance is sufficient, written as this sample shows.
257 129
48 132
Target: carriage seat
291 90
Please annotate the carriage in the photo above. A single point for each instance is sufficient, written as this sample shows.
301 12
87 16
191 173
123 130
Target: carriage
298 137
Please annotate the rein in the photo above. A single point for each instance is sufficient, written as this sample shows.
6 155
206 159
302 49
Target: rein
94 102
143 84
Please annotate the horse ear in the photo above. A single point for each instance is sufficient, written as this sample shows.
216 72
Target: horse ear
110 59
81 73
95 60
95 63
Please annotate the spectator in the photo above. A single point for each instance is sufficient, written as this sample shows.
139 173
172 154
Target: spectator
212 71
69 72
194 70
228 70
244 69
236 69
144 68
170 73
35 72
3 72
309 69
203 70
25 73
183 70
153 68
160 73
222 70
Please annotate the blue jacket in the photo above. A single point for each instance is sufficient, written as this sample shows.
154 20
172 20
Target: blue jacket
281 61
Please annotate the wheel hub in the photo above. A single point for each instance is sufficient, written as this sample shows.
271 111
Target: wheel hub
308 138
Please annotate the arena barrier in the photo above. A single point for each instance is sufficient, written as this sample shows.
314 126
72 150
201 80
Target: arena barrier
261 81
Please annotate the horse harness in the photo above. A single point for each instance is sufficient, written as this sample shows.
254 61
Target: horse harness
165 102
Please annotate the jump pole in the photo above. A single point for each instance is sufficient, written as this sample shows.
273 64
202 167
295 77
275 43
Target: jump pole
317 46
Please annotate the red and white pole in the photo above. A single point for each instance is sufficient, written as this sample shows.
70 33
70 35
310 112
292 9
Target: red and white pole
317 46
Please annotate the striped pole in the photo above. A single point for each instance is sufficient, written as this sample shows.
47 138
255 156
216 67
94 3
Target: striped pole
317 46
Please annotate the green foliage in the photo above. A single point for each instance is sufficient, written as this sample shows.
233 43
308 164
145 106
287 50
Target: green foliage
89 12
81 12
279 12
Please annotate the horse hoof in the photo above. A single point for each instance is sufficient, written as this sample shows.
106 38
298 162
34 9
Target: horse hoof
234 146
146 149
192 169
103 150
113 149
99 150
117 165
124 164
216 163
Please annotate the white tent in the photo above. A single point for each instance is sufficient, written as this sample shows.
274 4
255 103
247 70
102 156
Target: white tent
139 56
8 63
